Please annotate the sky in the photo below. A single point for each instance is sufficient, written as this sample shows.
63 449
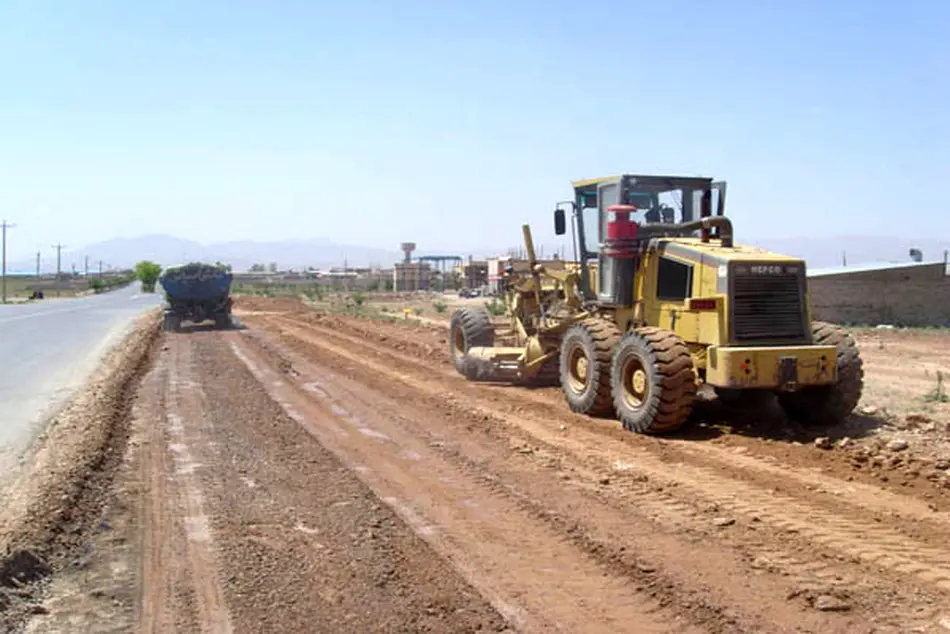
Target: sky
452 123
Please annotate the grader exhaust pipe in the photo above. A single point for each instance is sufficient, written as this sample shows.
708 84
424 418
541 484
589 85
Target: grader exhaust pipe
652 230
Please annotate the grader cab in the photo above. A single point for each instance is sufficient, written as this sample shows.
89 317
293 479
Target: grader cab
656 306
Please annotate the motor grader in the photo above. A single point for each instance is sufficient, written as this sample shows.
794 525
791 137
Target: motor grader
653 308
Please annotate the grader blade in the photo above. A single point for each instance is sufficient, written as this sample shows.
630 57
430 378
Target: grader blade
493 365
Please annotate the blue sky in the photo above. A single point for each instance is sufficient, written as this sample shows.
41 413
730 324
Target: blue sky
452 123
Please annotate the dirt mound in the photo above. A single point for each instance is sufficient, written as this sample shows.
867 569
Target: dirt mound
254 304
49 508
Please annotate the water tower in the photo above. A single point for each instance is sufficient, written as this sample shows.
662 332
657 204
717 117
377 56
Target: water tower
407 249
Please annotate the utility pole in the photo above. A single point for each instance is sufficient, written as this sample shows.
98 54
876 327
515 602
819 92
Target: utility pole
86 267
6 225
37 265
59 253
100 268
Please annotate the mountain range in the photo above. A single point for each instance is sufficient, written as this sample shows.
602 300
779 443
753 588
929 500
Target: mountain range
322 253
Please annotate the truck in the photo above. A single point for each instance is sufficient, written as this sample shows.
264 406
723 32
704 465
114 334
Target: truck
196 292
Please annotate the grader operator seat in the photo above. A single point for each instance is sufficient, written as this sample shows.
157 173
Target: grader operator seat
661 213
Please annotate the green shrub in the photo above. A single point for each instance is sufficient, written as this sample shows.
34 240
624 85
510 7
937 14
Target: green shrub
495 307
147 273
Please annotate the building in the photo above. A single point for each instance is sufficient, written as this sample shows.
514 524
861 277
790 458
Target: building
411 276
474 274
901 294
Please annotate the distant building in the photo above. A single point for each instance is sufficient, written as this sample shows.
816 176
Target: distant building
411 276
474 274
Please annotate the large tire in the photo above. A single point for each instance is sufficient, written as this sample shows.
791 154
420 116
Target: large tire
652 381
222 321
470 328
827 405
586 351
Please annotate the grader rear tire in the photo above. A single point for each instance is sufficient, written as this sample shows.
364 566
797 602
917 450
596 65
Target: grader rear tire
586 351
470 328
826 405
652 381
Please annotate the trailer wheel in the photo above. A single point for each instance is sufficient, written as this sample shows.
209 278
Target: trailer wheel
171 322
652 381
825 405
470 328
585 365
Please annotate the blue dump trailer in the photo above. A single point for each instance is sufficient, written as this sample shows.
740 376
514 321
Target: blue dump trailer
196 292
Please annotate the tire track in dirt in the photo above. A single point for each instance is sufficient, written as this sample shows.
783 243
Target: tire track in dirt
859 541
507 556
306 546
160 572
171 474
710 583
914 516
835 490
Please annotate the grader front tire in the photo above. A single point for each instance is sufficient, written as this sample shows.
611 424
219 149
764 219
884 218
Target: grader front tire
652 381
586 350
826 405
470 328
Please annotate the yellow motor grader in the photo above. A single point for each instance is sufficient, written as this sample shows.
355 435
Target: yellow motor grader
653 308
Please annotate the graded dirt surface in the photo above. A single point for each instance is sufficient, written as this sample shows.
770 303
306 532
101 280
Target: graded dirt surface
321 472
228 516
740 523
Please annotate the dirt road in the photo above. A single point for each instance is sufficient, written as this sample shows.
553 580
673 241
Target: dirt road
332 474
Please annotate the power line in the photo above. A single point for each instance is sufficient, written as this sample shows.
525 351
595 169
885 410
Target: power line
5 225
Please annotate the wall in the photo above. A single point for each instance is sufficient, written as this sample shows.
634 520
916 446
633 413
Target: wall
893 296
917 273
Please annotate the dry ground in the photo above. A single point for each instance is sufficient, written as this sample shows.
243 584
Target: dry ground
327 473
21 287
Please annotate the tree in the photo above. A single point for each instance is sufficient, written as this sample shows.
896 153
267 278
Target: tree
147 273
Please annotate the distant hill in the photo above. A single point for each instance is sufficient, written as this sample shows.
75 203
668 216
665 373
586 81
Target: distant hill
166 250
323 253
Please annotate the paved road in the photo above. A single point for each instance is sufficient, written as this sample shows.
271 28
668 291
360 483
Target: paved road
48 349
